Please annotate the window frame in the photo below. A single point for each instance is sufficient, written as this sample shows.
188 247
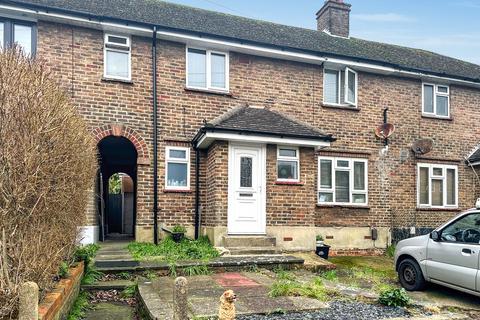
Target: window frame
346 102
431 177
208 70
116 47
352 190
8 32
295 159
169 160
435 94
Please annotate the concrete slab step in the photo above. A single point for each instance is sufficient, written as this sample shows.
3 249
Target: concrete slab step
116 263
114 256
249 241
241 251
108 285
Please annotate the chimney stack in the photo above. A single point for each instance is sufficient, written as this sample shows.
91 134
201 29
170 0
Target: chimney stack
334 18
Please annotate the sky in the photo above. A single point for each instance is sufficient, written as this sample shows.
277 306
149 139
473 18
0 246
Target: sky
449 27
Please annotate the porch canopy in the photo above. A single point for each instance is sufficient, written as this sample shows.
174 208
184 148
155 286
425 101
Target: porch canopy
260 125
474 158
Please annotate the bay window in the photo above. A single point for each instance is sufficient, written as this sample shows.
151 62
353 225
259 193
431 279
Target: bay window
207 69
117 57
288 163
437 186
340 87
177 171
20 33
342 181
436 100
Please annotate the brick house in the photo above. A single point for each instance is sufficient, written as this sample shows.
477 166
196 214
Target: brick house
262 131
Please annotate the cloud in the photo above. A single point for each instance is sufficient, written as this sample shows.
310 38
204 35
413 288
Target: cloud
382 17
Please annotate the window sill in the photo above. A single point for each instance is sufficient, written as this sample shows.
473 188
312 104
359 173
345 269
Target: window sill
428 116
346 206
439 209
210 91
104 79
177 191
289 183
341 107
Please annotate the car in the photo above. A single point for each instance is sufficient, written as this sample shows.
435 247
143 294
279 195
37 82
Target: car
448 256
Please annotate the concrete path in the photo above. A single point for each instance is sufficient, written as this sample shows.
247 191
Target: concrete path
110 311
204 295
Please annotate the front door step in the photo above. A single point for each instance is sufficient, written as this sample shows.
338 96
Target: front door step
249 241
244 251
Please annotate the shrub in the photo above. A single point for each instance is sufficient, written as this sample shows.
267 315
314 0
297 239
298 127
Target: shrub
179 229
394 297
390 252
63 270
47 167
86 253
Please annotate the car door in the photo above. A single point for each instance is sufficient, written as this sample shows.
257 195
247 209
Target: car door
454 257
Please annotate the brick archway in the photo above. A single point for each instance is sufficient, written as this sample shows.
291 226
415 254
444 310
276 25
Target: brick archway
120 130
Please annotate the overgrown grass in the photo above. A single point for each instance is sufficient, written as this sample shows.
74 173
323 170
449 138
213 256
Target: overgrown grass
196 271
168 250
330 275
79 308
91 275
390 252
287 285
130 291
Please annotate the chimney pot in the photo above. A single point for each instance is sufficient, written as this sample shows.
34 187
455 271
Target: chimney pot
334 18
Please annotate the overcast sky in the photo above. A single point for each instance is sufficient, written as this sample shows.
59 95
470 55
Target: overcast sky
450 27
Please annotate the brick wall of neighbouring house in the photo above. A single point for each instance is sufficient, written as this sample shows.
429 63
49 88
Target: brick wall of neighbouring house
294 89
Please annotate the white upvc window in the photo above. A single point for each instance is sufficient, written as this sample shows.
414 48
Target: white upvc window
436 100
288 164
340 87
177 168
207 69
342 181
437 186
117 57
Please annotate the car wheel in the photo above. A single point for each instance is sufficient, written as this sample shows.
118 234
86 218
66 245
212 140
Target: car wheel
410 275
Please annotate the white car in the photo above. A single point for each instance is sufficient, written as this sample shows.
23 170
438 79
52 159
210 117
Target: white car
448 256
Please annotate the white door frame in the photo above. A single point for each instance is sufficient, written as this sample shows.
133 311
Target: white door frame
262 180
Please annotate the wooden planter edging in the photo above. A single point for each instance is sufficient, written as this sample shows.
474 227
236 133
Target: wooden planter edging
57 303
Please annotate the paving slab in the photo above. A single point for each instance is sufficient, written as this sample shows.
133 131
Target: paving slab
108 285
110 311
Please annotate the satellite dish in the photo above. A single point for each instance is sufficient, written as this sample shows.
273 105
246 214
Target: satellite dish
422 146
385 130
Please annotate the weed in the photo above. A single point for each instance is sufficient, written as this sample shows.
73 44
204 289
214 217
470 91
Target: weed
284 275
390 252
80 306
91 275
179 229
313 289
253 268
63 270
130 291
330 275
284 287
86 253
394 297
172 269
125 275
278 311
150 275
196 270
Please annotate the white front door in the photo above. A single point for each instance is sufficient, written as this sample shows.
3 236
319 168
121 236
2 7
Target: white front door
246 189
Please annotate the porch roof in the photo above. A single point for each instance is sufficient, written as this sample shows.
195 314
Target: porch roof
263 125
474 158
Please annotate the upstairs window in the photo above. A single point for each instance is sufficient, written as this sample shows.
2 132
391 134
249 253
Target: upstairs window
21 33
340 87
437 186
288 164
117 56
207 69
342 181
436 100
177 168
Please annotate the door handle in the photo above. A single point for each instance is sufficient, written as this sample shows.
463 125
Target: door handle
467 251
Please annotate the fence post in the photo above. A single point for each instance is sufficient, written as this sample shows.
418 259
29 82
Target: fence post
28 304
180 304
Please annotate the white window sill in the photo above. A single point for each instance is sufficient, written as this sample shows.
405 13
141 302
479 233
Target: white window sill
422 208
119 80
433 116
342 205
340 106
172 190
212 91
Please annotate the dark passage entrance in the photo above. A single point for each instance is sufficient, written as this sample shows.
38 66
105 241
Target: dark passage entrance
117 188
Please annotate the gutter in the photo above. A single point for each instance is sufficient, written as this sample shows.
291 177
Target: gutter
155 136
281 52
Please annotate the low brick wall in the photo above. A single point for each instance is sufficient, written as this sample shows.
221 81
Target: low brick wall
58 302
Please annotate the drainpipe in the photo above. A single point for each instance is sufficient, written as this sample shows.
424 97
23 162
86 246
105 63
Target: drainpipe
197 192
155 137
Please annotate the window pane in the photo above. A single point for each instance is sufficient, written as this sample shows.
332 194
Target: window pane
1 34
442 89
437 171
428 98
423 187
288 153
218 70
197 68
437 192
178 154
359 176
23 37
331 86
117 64
343 163
359 198
245 172
442 106
351 87
325 197
451 187
119 40
326 174
287 170
177 175
342 186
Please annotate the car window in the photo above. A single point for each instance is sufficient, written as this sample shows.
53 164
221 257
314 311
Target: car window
466 230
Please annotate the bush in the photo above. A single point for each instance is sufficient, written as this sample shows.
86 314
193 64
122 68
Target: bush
179 229
86 253
394 297
47 167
